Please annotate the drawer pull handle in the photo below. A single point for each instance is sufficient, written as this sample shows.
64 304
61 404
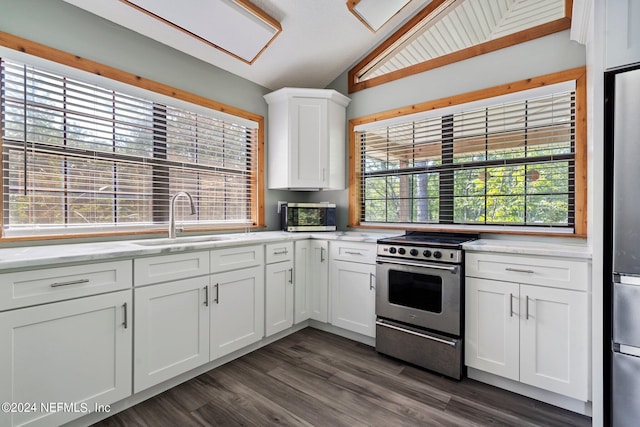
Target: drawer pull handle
283 252
125 323
510 305
353 253
452 343
70 282
519 270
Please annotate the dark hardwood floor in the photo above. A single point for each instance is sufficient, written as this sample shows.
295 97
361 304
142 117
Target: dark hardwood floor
313 378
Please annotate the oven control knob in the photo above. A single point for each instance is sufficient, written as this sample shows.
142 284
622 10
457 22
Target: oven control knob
392 250
426 253
437 254
414 252
401 251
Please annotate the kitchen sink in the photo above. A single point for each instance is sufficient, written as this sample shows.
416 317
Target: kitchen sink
180 240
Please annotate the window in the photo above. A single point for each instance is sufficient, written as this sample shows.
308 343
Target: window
79 157
505 161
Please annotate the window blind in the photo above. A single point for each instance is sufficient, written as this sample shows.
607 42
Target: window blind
507 163
82 157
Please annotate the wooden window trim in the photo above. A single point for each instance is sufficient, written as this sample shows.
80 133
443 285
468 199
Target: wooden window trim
578 74
45 52
482 48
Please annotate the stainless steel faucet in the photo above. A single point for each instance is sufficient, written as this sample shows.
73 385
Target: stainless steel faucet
172 208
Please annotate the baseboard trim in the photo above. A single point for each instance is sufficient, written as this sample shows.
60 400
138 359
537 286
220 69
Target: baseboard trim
555 399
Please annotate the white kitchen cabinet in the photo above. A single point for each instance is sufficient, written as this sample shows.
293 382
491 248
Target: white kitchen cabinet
278 297
492 327
537 335
237 310
171 316
279 287
622 32
307 139
554 341
353 296
311 280
46 285
172 330
165 268
353 252
76 352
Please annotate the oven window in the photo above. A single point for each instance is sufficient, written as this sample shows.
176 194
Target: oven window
419 291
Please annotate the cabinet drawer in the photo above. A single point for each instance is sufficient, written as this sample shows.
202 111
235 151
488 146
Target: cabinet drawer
165 268
353 251
277 252
23 288
236 258
558 273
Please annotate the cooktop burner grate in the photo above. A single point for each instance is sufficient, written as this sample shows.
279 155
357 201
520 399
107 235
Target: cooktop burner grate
420 238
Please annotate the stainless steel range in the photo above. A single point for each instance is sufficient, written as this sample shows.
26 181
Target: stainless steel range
419 299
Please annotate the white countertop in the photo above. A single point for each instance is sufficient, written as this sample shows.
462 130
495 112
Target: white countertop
527 247
41 255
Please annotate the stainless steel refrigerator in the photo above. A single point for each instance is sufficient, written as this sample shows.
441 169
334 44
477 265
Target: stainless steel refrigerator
623 123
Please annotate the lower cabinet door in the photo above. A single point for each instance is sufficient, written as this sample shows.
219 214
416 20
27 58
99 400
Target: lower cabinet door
318 283
492 326
554 345
65 359
353 297
237 310
302 286
172 330
278 297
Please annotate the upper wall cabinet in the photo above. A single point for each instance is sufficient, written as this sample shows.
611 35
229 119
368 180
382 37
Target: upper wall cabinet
306 142
623 32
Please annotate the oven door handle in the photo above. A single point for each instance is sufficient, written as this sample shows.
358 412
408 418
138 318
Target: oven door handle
451 268
407 331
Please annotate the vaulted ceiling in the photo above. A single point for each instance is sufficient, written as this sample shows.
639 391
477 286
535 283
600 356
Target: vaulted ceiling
320 39
317 40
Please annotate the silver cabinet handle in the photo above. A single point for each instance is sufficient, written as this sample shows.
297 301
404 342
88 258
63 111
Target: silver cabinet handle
526 309
283 252
519 270
206 296
353 253
217 300
70 282
291 275
322 255
510 305
125 322
372 278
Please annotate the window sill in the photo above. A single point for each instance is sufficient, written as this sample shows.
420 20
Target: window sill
463 228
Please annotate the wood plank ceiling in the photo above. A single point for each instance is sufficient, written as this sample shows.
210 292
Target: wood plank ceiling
459 24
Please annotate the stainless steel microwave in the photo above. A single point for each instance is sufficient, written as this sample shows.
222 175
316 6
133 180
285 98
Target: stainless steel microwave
308 216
